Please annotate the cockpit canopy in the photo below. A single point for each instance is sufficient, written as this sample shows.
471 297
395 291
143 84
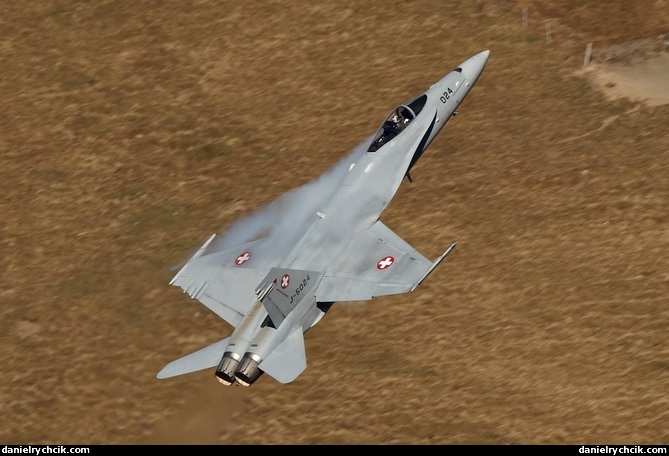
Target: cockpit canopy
398 119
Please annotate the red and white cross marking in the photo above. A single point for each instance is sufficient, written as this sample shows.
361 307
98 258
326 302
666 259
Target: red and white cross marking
285 280
243 258
385 263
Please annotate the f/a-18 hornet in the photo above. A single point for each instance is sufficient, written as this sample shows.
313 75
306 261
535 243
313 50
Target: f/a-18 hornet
272 293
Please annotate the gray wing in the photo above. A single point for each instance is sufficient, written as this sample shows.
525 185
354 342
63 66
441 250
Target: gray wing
225 281
377 262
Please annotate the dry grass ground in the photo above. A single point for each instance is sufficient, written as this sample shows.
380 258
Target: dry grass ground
131 131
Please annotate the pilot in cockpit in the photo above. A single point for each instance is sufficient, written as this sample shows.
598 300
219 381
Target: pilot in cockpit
392 126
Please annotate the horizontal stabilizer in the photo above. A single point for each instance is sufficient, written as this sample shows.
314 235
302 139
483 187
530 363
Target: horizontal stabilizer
288 360
202 359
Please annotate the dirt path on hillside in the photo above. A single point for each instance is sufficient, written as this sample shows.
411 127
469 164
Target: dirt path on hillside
646 81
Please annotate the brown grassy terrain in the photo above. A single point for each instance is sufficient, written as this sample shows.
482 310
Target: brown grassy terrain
131 131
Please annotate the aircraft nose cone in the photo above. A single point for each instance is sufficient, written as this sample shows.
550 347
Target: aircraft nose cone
473 66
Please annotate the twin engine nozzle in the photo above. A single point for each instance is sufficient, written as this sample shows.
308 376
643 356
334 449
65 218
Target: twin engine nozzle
242 371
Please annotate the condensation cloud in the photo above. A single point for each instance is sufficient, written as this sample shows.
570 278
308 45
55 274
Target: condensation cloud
283 221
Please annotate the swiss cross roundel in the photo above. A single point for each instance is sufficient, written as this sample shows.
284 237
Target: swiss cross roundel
243 258
385 263
285 281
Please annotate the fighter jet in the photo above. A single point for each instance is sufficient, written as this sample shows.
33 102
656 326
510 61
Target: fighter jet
272 293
